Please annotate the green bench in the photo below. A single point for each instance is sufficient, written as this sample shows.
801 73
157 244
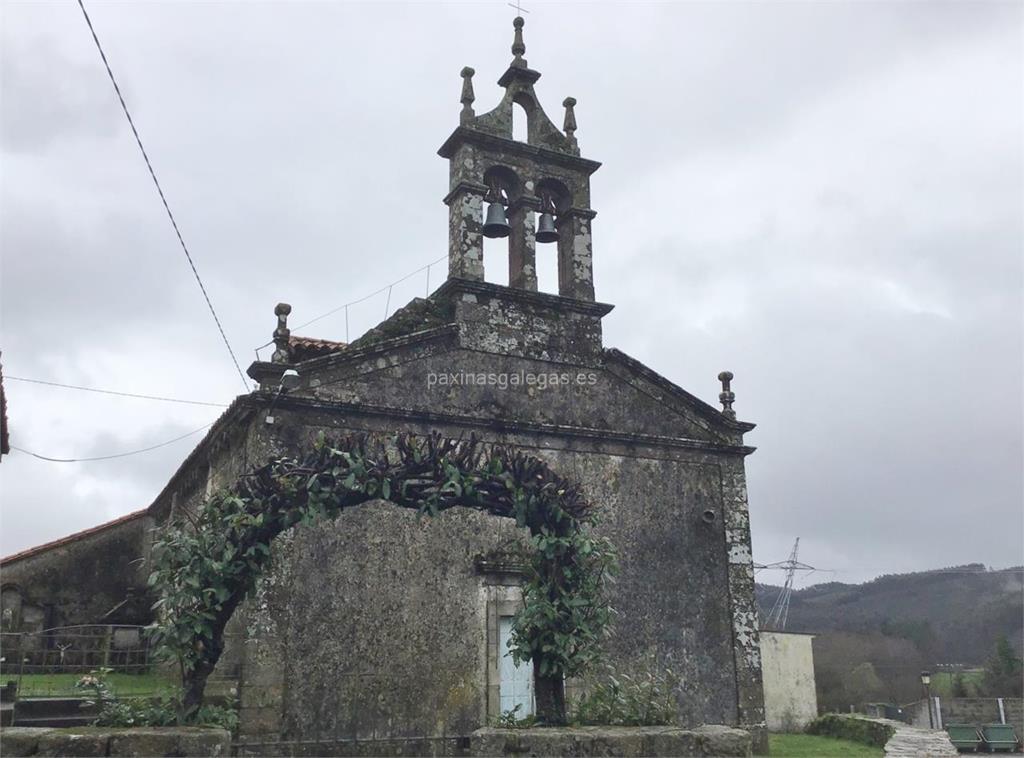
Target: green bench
999 737
965 737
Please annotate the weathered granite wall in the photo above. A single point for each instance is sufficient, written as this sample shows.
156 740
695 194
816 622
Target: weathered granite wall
664 509
104 741
612 741
79 581
376 626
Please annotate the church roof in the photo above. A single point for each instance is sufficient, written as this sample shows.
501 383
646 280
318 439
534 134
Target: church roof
304 348
72 537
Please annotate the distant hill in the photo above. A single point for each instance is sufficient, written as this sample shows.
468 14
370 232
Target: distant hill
952 615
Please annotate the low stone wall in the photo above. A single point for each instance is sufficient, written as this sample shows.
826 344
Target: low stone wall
102 741
612 741
966 710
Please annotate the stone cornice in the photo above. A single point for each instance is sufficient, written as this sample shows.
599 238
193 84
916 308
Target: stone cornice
707 411
456 286
297 403
541 154
463 186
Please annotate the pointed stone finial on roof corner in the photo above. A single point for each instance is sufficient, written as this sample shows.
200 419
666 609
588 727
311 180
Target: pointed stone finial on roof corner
570 120
282 351
467 95
518 46
727 397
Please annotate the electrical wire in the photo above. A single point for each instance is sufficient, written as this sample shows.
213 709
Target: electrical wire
344 306
385 288
163 198
115 392
115 455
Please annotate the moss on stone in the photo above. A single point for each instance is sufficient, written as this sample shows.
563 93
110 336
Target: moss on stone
418 315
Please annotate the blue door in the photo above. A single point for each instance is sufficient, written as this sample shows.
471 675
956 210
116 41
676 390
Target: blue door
516 683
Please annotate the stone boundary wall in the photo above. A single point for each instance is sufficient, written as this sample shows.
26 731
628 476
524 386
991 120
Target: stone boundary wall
539 742
102 741
612 741
968 710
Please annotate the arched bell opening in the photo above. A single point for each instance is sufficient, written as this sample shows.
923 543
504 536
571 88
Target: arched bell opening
555 198
502 189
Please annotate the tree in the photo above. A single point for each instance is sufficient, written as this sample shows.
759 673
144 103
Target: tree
205 565
960 686
1003 671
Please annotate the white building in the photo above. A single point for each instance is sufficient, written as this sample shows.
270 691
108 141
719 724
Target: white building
787 667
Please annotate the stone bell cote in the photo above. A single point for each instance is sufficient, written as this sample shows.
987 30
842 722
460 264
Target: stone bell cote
531 192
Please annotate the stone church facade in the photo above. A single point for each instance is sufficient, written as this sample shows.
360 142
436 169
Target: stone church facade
383 623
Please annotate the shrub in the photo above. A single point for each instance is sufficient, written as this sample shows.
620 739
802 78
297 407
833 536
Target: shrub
161 711
643 698
511 720
851 728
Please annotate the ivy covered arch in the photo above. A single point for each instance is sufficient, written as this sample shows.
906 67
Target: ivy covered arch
206 564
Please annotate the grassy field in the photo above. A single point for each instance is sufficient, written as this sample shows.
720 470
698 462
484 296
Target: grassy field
814 746
61 685
942 682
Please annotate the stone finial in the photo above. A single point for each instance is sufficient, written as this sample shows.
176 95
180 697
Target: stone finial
467 95
727 397
518 46
570 119
282 351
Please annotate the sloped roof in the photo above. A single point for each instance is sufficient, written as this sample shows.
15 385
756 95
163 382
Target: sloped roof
304 348
72 537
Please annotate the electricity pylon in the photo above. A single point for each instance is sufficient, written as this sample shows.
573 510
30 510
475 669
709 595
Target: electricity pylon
776 619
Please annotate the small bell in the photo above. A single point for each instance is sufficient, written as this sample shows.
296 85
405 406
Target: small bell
546 231
496 224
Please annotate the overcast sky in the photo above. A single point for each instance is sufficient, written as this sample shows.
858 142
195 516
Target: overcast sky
825 198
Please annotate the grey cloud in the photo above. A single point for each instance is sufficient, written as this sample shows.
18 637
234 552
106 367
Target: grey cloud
824 198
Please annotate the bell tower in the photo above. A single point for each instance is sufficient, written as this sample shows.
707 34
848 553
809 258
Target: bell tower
533 192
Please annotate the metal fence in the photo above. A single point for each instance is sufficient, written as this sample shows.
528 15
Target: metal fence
49 663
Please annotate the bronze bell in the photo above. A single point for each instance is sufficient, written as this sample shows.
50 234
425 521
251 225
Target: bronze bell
546 231
496 224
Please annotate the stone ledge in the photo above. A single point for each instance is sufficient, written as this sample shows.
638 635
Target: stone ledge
623 741
103 741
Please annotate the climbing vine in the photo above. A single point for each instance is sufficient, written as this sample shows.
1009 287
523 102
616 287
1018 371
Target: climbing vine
207 563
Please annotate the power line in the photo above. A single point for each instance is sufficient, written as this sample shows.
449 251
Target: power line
385 288
345 306
160 190
115 392
109 457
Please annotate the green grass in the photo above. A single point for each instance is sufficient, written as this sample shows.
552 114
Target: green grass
815 746
942 682
63 685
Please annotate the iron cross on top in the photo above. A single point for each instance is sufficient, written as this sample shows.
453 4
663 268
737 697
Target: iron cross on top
520 10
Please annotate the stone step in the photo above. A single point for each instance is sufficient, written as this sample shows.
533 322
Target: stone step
51 706
54 721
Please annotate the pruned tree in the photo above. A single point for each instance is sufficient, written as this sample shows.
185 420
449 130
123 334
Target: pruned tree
207 564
